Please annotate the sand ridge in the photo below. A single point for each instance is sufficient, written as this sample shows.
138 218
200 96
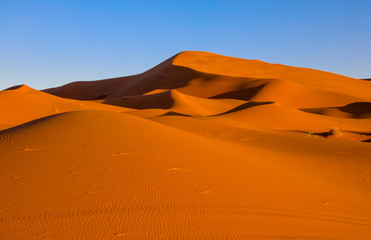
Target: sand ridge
22 104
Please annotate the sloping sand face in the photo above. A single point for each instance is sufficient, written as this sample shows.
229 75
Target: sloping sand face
22 104
200 147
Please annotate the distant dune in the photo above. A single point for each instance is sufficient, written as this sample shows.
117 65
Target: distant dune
202 146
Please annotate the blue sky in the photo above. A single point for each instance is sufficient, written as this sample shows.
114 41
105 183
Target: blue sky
46 43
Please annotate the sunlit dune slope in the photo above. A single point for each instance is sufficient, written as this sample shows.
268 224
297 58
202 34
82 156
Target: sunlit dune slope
21 104
102 175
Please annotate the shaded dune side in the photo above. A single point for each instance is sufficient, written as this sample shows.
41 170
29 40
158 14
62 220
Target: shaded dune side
289 94
162 76
270 115
21 88
206 75
177 102
92 90
129 180
356 110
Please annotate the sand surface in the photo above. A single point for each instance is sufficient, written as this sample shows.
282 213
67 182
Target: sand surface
201 146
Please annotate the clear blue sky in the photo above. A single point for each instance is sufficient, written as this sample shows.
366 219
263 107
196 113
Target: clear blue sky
45 43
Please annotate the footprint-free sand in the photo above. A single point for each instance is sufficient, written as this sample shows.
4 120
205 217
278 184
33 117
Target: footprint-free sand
202 146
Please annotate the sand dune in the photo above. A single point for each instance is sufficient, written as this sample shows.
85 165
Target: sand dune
177 102
208 75
151 183
290 94
275 116
201 146
217 64
21 104
205 75
352 110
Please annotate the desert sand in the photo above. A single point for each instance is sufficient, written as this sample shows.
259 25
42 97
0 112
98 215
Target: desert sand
202 146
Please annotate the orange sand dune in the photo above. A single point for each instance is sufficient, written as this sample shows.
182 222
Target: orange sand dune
205 75
176 101
21 104
217 64
201 146
352 110
138 183
275 116
291 94
92 90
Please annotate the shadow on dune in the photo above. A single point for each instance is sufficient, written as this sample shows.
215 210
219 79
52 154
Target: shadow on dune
245 106
163 100
171 77
240 94
171 113
363 133
355 110
246 90
14 87
194 83
334 132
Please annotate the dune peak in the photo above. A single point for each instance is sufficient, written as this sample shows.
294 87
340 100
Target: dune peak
21 88
203 55
185 57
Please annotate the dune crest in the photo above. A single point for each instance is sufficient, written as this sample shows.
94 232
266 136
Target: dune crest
22 104
21 88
